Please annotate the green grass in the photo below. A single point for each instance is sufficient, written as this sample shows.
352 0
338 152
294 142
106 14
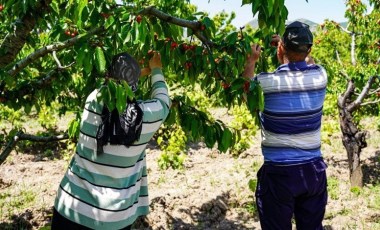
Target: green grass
333 188
14 200
374 198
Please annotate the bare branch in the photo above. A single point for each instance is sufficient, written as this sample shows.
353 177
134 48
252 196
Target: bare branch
375 91
194 26
43 83
353 60
56 59
370 102
20 136
338 57
356 104
60 67
344 74
50 48
342 100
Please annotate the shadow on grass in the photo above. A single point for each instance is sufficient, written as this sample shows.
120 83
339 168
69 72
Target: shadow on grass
210 215
371 170
29 219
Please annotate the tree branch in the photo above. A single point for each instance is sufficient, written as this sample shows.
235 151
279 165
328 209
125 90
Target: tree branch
21 136
194 26
356 104
370 102
15 40
346 95
50 48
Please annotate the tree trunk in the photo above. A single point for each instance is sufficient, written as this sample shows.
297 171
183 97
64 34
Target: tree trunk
353 140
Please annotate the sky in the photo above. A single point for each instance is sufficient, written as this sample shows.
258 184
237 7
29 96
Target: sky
313 10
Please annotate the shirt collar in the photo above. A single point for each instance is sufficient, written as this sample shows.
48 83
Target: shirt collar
301 65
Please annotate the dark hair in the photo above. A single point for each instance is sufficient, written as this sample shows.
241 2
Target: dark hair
125 67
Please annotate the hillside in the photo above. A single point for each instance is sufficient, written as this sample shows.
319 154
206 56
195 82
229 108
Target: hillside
313 25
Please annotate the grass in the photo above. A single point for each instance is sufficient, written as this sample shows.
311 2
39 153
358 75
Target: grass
15 200
333 188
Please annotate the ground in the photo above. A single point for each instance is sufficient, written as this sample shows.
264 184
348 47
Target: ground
210 192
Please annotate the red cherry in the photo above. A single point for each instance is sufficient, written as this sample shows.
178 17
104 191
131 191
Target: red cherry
67 32
73 34
138 18
1 7
203 27
225 85
273 43
173 45
185 47
105 15
246 86
188 65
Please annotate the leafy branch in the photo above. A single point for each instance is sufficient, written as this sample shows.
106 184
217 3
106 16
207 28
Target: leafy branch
15 40
51 48
194 26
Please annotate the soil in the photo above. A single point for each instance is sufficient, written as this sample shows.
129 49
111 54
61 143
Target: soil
211 192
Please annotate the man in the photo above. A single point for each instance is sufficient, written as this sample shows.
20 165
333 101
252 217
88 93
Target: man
292 180
108 190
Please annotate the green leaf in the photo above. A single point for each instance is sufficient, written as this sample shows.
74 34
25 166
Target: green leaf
245 2
260 95
194 129
121 98
81 54
255 7
226 140
252 183
109 22
270 7
100 60
210 137
87 64
232 38
128 90
78 12
73 129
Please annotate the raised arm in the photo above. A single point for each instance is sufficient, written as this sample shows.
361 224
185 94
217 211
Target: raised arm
250 63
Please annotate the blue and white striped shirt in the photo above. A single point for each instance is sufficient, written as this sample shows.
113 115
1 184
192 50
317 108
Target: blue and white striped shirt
291 120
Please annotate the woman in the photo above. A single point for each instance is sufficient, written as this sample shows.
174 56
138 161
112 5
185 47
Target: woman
109 190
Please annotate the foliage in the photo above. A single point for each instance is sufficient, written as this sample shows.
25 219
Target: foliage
172 148
343 59
69 45
333 188
243 122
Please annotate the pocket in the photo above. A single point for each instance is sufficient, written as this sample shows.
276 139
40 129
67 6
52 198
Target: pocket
319 166
262 185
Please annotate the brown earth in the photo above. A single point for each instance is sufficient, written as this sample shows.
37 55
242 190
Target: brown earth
211 192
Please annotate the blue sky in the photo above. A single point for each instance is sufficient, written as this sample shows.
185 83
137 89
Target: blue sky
314 10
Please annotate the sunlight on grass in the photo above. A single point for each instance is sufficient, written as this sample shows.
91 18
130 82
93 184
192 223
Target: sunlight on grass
333 188
15 200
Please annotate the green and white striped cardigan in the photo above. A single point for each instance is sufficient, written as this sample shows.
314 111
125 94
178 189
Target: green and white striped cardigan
109 191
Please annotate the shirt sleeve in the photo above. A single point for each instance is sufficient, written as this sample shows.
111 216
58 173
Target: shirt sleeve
157 108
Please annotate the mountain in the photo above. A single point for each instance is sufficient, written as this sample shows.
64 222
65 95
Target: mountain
255 24
313 26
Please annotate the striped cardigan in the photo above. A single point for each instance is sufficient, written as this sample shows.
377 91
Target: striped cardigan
291 120
109 191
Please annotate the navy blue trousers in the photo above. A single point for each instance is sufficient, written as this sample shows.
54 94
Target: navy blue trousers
284 191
